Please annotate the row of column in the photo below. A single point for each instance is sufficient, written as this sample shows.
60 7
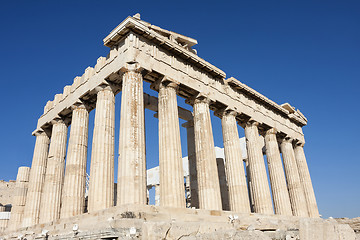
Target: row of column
53 194
292 192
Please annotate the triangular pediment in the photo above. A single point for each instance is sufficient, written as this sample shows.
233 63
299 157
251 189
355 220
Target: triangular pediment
121 29
177 44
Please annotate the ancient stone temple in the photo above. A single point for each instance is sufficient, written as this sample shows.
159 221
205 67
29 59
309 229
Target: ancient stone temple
273 200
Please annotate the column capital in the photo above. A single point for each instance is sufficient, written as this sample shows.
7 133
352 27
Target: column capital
199 98
169 82
57 120
80 104
252 122
106 86
271 131
166 82
202 99
299 143
287 139
131 67
39 132
225 112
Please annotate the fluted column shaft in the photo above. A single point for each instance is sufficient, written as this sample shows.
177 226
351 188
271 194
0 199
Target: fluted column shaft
19 200
207 175
279 189
234 166
172 191
194 192
101 184
132 158
54 177
73 195
36 180
296 192
305 179
259 181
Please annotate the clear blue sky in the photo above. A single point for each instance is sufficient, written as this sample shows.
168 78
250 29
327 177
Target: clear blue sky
306 53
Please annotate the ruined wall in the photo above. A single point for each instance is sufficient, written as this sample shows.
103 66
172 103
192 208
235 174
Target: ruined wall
354 224
7 191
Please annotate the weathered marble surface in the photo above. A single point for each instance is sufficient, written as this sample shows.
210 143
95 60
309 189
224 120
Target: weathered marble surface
150 222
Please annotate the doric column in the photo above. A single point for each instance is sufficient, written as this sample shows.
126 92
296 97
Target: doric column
54 177
296 192
73 195
235 173
172 191
259 181
207 175
19 199
305 179
279 189
101 183
194 193
132 158
36 180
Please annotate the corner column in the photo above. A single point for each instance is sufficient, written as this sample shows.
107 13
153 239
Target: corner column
259 182
172 191
194 191
73 195
279 189
101 184
207 174
305 179
132 158
296 192
234 166
19 200
36 180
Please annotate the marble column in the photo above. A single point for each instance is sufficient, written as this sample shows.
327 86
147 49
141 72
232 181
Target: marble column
73 195
36 180
194 193
101 184
207 175
259 181
132 158
296 192
235 173
54 177
172 191
305 179
279 189
19 199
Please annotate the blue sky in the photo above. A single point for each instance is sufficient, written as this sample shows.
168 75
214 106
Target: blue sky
306 53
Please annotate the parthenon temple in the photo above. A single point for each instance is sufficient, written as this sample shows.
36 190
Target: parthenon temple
267 196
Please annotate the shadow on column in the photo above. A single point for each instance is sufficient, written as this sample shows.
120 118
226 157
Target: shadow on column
223 184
